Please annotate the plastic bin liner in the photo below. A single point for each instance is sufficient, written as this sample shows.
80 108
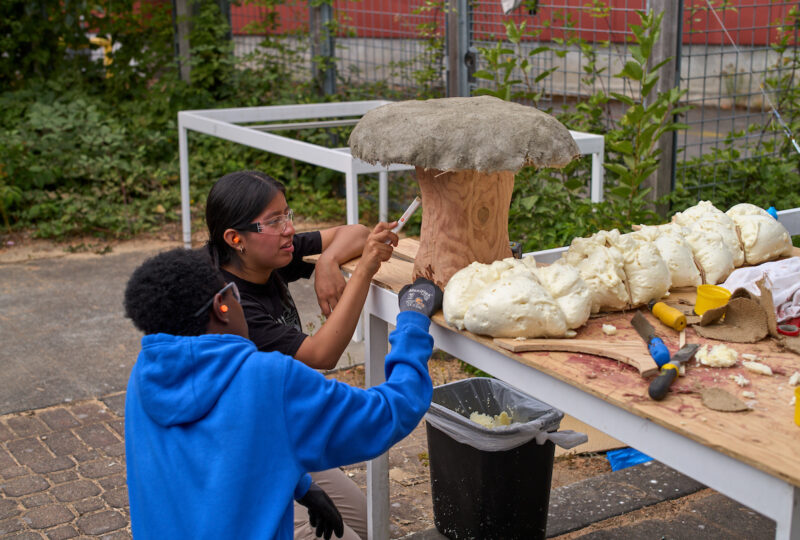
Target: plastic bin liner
531 419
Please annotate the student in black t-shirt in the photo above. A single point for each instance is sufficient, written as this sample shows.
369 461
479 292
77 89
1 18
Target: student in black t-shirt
253 241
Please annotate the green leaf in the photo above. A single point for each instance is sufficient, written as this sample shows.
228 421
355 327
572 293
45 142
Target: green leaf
620 191
632 70
623 98
623 147
482 74
636 52
616 168
544 74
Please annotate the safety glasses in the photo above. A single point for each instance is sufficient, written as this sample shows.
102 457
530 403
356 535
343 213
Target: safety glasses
276 225
234 289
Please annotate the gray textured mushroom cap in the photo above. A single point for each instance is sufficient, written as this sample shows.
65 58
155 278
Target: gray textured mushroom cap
483 133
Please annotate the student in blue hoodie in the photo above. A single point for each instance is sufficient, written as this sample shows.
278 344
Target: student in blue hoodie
219 436
253 240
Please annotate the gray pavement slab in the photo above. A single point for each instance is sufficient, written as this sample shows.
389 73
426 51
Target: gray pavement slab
582 503
64 335
62 472
578 505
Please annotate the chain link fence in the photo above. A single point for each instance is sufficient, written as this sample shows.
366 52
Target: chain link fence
728 57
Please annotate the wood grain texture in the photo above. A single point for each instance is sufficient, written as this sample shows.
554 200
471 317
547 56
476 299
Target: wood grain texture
634 353
464 219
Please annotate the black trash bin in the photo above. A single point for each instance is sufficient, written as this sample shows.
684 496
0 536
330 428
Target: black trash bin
490 483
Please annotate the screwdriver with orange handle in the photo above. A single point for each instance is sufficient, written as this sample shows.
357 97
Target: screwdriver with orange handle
668 315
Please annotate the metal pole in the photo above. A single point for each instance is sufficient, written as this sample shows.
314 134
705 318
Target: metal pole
181 19
465 55
183 158
458 50
678 55
323 61
375 347
451 40
666 46
225 9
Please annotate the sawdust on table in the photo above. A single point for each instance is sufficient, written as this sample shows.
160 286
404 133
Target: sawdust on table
720 399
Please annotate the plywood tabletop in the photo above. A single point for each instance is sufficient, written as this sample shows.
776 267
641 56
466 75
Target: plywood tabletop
765 436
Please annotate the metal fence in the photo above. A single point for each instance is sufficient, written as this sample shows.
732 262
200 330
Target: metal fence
725 54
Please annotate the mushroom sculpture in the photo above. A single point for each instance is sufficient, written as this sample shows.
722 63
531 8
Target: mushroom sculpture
466 152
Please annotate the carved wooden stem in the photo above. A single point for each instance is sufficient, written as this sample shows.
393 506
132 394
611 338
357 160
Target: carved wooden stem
464 219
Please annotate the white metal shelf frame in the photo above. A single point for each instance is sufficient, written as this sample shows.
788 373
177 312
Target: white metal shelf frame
253 126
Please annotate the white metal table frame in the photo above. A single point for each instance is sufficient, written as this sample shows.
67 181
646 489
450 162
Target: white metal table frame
764 493
262 121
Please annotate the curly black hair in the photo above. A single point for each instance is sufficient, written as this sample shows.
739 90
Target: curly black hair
165 292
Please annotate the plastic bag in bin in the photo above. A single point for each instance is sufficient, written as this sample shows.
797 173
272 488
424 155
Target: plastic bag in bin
531 419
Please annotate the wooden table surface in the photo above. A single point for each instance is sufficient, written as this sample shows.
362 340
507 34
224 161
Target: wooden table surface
765 437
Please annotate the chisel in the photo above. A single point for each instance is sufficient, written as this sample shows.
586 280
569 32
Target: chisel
670 371
657 349
407 214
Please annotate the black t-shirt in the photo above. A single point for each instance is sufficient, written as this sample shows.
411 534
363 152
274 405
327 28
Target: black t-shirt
272 318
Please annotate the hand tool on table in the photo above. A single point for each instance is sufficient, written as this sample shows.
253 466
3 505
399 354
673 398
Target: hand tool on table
407 214
668 315
657 349
670 371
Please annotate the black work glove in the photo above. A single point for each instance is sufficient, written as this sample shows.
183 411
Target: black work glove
423 295
322 513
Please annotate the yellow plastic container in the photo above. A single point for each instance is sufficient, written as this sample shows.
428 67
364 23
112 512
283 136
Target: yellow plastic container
797 405
710 297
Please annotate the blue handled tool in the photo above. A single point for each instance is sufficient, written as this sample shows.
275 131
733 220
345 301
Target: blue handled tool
669 372
657 349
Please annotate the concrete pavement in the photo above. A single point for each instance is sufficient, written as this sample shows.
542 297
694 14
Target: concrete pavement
64 332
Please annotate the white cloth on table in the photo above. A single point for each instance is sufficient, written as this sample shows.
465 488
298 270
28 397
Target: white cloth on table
782 279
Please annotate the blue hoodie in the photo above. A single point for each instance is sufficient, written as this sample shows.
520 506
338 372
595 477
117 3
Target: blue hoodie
219 436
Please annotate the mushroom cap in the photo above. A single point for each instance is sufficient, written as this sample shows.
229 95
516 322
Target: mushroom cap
484 133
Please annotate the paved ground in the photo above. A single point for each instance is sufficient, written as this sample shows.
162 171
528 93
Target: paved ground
63 330
67 351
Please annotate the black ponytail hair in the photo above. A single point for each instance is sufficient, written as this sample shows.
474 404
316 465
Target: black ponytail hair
235 201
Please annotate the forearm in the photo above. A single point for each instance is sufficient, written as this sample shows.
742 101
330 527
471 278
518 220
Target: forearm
323 349
339 244
361 424
343 243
